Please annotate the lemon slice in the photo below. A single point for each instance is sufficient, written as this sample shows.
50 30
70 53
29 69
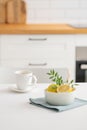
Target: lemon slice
52 88
64 88
71 89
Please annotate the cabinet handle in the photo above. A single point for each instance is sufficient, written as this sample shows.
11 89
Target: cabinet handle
37 64
37 39
83 66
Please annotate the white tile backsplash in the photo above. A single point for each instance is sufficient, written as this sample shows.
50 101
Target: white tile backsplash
51 13
56 11
74 13
38 4
64 4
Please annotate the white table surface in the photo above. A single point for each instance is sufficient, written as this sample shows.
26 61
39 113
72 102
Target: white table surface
17 114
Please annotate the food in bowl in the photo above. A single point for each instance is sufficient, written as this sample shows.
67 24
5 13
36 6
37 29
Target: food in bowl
59 95
60 92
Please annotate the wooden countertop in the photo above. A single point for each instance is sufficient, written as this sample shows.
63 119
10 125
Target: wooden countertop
40 29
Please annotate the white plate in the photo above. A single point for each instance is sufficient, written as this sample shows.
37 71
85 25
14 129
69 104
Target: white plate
15 89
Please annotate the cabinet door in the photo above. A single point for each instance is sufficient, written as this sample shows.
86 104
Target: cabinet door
33 47
36 49
48 51
81 40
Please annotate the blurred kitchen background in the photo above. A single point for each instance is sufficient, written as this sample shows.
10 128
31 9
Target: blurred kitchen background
45 51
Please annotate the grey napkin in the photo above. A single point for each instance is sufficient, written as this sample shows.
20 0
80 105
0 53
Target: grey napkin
42 103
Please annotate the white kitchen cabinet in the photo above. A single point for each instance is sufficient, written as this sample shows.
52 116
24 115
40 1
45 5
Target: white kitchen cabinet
81 40
34 51
0 49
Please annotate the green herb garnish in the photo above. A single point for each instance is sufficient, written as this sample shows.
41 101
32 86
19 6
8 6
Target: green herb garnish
54 76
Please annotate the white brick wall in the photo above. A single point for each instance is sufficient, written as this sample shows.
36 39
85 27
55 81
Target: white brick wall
56 11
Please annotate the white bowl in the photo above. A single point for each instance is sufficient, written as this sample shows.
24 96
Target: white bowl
62 98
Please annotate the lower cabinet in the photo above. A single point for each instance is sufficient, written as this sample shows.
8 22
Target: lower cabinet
38 51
